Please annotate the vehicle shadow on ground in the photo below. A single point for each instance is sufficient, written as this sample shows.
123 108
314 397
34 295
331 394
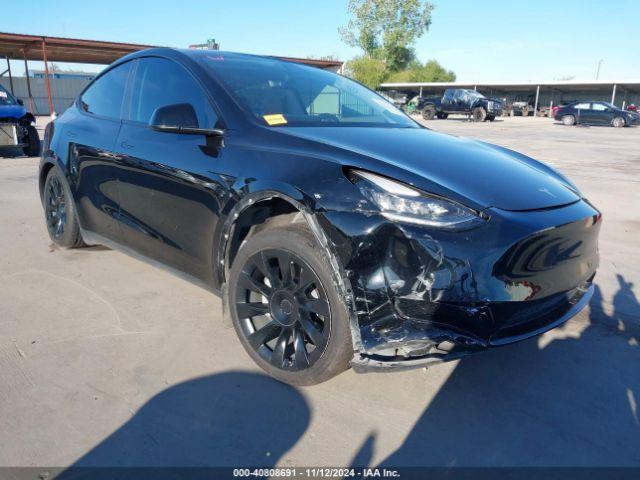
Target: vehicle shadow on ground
229 419
567 402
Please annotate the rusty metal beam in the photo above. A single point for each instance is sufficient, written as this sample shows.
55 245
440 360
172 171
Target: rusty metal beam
26 74
10 76
47 80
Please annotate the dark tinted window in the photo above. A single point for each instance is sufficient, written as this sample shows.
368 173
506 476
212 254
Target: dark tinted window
104 96
160 82
276 92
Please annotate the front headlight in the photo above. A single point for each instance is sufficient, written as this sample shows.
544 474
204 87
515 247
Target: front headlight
402 203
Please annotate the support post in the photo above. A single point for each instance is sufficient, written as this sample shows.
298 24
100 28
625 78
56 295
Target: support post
10 76
26 73
535 105
613 94
421 90
47 80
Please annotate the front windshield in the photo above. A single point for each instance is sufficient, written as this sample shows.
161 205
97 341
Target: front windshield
276 92
5 97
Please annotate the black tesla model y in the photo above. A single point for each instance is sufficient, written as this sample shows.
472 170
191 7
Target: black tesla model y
337 230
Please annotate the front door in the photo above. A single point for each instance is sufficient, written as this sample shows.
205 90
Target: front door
170 195
583 113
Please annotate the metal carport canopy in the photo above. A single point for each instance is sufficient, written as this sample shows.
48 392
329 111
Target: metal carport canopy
30 47
17 46
522 86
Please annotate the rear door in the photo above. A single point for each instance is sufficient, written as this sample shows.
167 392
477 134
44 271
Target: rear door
169 194
91 132
600 114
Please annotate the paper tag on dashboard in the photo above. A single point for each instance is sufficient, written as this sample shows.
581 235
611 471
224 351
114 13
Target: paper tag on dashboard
275 119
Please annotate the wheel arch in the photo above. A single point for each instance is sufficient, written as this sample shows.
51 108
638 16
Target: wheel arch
29 118
46 166
259 208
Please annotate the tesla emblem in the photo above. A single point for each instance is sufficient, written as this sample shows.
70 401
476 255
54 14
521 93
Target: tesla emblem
545 190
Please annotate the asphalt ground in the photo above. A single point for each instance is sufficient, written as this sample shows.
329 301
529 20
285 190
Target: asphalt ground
105 360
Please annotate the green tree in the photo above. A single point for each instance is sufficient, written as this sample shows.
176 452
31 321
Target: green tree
387 29
431 71
368 70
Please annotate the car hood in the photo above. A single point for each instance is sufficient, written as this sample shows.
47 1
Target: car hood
486 174
12 111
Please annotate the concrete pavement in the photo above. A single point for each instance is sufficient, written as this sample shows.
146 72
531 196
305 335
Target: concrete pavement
105 360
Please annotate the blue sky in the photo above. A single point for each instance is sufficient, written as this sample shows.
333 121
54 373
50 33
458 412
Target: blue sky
479 40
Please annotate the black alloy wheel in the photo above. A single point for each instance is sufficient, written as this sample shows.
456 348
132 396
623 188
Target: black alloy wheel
283 309
55 207
60 212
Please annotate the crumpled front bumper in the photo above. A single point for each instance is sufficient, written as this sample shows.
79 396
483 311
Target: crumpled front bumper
420 296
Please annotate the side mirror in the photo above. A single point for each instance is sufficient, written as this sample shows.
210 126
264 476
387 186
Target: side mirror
179 118
20 102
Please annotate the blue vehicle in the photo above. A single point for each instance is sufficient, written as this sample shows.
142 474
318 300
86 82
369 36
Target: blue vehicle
17 126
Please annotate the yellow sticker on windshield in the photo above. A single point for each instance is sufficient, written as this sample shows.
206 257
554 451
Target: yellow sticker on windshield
275 119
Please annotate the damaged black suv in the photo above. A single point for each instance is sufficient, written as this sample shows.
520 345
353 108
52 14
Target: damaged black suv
338 231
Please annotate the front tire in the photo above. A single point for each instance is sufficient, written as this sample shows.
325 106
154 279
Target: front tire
284 306
428 113
479 114
60 212
33 140
618 122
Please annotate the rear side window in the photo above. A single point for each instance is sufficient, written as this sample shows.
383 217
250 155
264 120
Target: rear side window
104 96
582 106
160 82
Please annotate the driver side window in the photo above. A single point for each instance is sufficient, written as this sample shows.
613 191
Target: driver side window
159 82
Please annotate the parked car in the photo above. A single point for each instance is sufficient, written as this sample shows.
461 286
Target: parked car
417 103
337 229
399 99
522 106
596 113
17 126
460 100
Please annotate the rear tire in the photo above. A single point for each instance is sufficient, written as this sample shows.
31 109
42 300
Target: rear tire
271 309
568 120
60 212
428 113
618 122
479 114
33 140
